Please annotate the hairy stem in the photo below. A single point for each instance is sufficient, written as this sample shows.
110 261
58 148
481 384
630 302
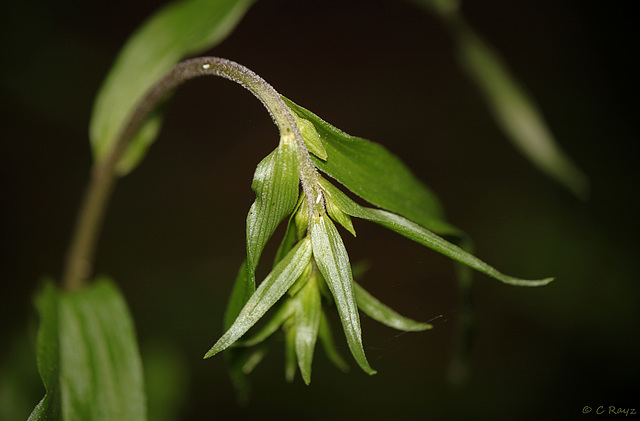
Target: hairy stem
79 263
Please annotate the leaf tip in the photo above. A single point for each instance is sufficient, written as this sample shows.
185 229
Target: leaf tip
422 327
306 377
546 281
213 351
527 283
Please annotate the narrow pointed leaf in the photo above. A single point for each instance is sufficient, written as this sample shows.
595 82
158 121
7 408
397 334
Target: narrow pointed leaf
285 311
301 218
276 186
302 280
289 238
307 323
385 315
333 262
311 137
176 31
513 109
235 357
268 293
240 294
329 345
95 364
422 236
340 217
516 113
373 173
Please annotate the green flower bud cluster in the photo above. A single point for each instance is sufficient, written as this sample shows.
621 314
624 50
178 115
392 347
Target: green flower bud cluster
312 275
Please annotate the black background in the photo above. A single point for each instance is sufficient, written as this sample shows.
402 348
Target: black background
382 70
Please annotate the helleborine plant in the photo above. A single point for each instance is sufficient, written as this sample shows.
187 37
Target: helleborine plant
87 353
312 264
311 273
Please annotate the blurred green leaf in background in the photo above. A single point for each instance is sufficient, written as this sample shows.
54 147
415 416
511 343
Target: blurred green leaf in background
88 356
513 108
180 29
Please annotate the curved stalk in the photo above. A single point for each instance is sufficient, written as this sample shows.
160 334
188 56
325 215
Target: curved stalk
79 263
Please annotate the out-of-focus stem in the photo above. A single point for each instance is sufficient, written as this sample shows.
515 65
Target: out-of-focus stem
79 263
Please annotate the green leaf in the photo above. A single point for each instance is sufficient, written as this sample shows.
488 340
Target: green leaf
333 262
340 217
239 296
48 354
376 175
268 293
88 356
176 31
307 323
515 111
329 345
234 357
311 137
290 235
421 235
286 310
385 315
276 186
301 218
302 280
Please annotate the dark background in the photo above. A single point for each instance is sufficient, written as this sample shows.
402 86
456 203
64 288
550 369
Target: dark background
386 71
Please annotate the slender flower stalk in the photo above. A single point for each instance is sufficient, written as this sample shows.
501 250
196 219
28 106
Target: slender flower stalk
79 263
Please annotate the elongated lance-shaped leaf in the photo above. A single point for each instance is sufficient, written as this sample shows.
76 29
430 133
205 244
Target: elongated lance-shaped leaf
234 357
516 113
373 173
276 186
329 345
373 308
88 356
311 137
286 310
340 217
333 262
290 236
180 29
268 293
420 235
513 108
307 321
239 296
